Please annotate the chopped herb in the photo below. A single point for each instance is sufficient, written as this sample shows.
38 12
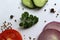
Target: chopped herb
52 10
9 27
27 20
9 23
6 25
4 22
11 16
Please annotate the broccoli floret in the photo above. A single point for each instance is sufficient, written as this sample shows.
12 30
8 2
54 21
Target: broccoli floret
31 17
27 20
24 16
35 20
21 24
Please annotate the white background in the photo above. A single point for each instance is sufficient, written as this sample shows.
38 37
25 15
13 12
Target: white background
10 7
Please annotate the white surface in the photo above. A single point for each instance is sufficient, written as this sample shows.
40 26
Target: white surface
10 7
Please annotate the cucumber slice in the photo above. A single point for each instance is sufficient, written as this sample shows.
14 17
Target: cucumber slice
39 3
28 3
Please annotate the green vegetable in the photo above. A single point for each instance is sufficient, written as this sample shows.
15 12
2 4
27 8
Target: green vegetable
27 20
39 3
28 3
34 3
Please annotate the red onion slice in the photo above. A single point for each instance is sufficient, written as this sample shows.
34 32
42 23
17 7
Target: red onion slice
49 34
52 25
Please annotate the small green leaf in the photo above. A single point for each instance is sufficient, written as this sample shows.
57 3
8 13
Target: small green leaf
27 20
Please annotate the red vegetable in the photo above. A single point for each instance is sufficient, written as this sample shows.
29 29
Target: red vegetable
10 35
49 34
2 38
52 25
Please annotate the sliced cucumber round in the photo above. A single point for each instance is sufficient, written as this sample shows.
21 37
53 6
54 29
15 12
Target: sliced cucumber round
28 3
39 3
